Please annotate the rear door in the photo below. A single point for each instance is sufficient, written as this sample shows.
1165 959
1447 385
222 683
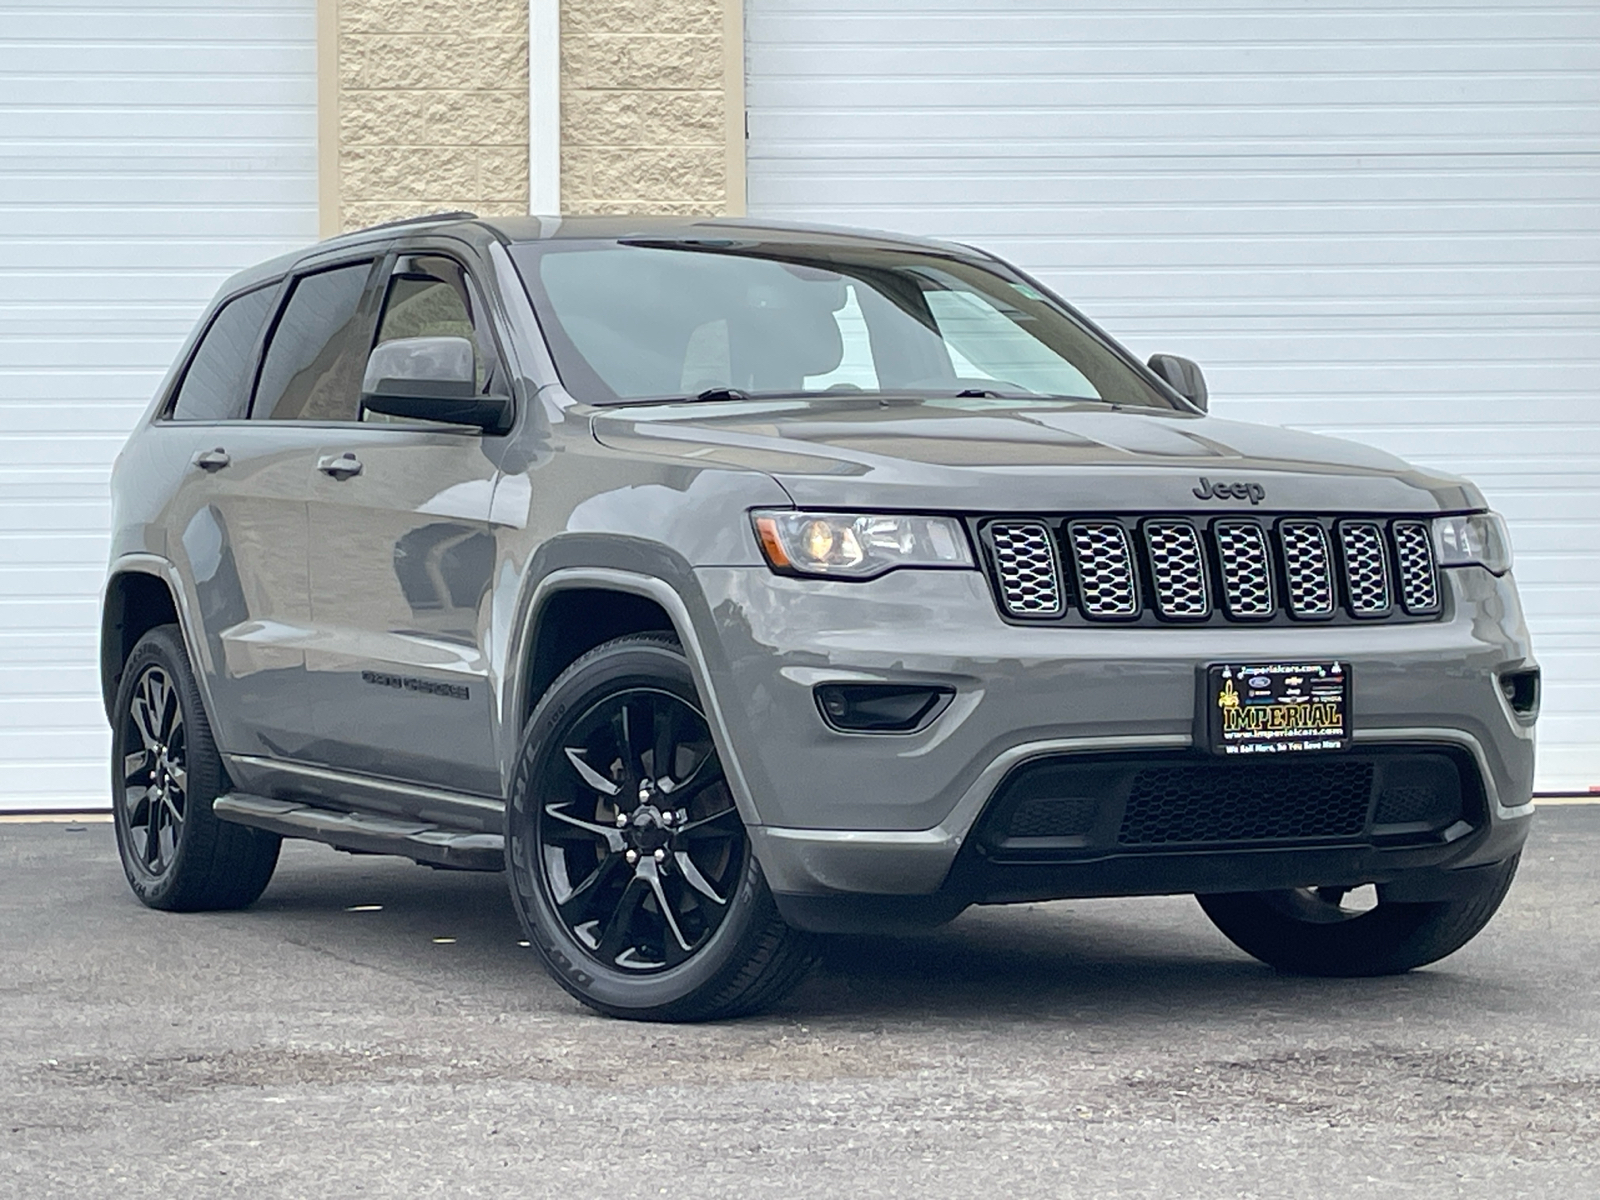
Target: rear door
401 559
244 545
236 531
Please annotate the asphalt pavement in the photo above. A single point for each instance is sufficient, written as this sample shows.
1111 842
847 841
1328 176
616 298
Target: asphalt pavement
373 1028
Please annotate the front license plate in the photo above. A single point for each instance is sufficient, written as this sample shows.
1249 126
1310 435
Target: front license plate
1277 707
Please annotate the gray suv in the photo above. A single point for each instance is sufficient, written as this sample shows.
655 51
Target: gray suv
726 584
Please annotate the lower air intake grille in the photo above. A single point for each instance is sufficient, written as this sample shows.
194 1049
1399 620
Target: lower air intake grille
1427 791
1262 802
1092 805
1068 816
1408 803
1030 585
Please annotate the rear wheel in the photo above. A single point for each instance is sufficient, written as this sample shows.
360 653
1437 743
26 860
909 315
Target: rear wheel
1315 931
629 866
165 772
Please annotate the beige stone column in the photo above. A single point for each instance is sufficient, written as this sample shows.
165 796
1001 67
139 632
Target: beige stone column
425 107
432 100
652 106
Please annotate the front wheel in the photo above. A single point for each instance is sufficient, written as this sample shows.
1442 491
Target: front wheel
1313 931
629 866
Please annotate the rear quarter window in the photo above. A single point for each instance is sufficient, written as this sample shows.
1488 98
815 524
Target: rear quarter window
215 386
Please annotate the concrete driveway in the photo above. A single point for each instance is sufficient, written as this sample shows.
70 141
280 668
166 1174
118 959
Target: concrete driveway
317 1046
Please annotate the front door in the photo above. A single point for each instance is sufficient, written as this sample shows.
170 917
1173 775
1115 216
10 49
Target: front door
401 561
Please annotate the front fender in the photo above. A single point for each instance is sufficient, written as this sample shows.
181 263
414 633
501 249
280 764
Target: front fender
659 576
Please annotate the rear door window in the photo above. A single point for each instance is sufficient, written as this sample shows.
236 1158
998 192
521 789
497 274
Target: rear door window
216 387
314 362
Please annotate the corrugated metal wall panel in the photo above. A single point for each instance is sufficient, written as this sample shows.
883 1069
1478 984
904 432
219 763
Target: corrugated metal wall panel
1370 219
147 151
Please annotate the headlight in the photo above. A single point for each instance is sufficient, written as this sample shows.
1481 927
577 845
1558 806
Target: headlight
859 545
1478 538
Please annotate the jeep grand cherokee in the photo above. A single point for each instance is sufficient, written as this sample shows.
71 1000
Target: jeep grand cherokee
726 583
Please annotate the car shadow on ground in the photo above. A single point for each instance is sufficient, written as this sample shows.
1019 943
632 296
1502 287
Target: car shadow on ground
1100 959
1104 961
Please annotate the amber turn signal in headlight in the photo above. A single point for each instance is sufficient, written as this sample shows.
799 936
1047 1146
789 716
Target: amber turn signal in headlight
859 545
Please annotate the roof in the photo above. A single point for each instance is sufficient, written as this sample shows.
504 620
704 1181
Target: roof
602 228
532 229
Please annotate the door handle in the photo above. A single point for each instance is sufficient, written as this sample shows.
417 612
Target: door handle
211 460
340 466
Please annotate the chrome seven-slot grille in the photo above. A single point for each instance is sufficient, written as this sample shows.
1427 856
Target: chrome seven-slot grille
1236 568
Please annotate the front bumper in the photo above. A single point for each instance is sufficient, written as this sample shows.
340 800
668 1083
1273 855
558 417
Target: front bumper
836 814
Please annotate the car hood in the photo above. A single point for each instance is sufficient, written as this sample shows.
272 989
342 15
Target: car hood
990 455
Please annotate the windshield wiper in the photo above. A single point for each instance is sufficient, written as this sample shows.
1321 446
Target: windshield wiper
857 395
711 395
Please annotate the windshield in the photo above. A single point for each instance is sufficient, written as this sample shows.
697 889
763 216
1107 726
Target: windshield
649 320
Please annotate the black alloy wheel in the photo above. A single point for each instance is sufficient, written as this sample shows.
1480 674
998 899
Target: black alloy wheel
641 841
155 774
629 864
165 772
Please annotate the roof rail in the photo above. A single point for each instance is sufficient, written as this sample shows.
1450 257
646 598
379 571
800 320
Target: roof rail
425 219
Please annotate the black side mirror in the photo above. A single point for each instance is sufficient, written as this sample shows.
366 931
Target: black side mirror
431 379
1183 375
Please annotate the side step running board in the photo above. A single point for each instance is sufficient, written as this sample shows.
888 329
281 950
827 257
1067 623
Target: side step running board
368 833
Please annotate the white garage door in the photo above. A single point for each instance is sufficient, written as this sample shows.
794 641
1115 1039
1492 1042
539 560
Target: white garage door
1377 220
147 150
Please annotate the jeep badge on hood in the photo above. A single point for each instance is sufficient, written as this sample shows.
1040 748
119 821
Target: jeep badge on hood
1252 492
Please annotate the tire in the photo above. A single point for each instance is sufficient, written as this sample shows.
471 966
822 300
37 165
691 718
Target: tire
637 886
1306 931
165 772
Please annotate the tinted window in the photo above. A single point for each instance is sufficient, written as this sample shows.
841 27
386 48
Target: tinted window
214 388
313 367
650 320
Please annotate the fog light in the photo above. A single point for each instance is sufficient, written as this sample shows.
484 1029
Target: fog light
881 707
1521 690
